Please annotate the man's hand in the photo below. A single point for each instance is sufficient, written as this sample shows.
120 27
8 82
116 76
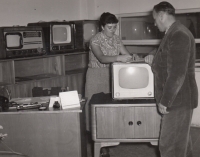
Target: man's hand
162 109
149 59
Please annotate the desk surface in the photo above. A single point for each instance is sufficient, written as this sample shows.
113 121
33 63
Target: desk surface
13 110
102 98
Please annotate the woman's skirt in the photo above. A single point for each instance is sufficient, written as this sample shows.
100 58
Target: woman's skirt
97 80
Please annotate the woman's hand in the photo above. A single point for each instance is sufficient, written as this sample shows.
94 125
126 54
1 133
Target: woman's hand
124 58
149 59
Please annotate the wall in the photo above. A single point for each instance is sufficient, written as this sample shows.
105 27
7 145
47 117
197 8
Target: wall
21 12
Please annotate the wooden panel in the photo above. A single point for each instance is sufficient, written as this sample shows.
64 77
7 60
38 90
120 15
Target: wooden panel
29 67
74 62
7 73
113 122
76 82
53 65
43 134
146 122
39 66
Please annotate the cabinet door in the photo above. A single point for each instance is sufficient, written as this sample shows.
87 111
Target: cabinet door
146 122
127 122
115 122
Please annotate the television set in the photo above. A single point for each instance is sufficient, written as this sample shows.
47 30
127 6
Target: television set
84 30
21 41
59 36
132 81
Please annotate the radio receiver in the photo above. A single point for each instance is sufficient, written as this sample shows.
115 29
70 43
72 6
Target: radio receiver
21 41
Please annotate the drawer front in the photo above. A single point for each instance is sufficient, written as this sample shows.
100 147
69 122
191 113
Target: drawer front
127 122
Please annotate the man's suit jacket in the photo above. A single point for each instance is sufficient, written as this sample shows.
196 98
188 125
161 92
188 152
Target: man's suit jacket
174 68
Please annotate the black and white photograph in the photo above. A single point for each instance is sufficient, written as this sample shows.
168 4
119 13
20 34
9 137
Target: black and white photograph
99 78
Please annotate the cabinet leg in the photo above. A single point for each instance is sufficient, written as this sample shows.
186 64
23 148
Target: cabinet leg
154 143
97 147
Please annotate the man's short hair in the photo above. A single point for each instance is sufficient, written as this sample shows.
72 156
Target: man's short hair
165 7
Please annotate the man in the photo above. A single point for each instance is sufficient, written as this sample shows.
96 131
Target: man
176 92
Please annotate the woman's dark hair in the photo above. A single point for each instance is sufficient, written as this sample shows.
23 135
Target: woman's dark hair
107 18
165 7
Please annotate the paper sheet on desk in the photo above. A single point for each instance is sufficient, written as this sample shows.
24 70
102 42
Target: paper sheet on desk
69 99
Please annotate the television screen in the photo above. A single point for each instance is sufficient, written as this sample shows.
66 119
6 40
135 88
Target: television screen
90 30
133 77
13 40
61 34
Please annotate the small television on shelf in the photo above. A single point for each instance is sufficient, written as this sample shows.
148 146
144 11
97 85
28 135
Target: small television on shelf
84 30
21 41
132 81
59 36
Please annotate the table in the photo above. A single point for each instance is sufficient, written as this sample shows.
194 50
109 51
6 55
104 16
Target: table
115 121
52 133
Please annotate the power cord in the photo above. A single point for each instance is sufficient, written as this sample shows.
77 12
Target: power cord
11 151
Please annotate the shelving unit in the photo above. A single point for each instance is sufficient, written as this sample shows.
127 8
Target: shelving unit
139 34
20 75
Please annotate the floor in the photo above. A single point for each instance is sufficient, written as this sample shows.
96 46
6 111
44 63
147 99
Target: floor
145 149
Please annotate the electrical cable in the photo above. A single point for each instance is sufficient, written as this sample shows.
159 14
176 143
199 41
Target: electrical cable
11 151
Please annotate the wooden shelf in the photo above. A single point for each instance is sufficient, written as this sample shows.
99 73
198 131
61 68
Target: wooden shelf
35 77
20 75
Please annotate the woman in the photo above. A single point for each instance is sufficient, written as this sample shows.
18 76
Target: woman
105 48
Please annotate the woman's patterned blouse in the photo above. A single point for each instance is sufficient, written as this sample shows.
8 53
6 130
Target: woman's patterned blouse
109 47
